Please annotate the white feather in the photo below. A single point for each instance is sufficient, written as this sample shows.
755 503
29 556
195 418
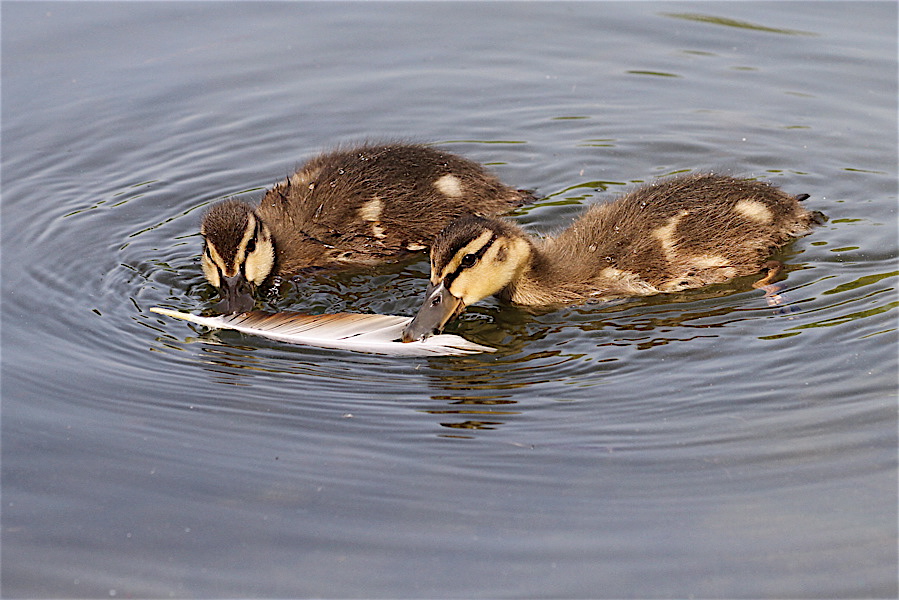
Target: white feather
347 331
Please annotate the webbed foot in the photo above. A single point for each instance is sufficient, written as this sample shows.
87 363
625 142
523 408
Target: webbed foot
772 290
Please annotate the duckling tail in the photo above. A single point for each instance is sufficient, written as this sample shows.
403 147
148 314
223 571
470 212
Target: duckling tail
816 216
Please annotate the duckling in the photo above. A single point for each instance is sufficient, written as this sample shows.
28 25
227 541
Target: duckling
348 208
677 233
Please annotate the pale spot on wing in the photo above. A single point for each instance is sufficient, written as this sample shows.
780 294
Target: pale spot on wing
449 185
754 211
414 246
371 210
626 282
665 235
728 273
710 261
304 178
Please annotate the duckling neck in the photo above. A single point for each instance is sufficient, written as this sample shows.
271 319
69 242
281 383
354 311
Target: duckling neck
543 280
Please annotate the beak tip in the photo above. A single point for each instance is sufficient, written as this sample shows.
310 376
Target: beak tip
439 307
411 335
227 307
236 295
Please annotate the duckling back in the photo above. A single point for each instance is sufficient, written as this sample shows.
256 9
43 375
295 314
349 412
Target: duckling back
372 203
675 234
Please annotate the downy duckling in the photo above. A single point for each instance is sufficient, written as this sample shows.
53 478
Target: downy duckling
674 234
347 208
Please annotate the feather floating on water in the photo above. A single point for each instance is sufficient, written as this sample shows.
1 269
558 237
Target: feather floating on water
348 331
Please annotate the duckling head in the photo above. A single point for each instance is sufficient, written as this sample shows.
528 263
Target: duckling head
472 258
238 254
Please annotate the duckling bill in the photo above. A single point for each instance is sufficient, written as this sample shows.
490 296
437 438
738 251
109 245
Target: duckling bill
675 234
349 208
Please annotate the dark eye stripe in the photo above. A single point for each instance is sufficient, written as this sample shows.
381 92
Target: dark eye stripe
250 246
478 255
255 234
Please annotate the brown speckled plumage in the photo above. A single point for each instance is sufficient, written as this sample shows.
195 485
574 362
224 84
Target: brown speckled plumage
365 205
674 234
348 208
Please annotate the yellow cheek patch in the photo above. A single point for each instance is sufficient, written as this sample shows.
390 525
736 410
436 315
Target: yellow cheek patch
242 248
470 286
258 264
501 265
210 271
212 263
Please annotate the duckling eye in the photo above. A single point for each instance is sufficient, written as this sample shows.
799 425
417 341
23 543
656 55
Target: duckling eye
468 260
251 246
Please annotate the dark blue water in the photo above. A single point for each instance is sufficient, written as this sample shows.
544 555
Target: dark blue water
701 444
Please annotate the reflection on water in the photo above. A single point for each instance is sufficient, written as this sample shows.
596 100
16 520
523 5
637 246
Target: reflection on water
583 342
718 20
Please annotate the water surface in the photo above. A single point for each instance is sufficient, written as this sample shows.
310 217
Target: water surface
699 444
